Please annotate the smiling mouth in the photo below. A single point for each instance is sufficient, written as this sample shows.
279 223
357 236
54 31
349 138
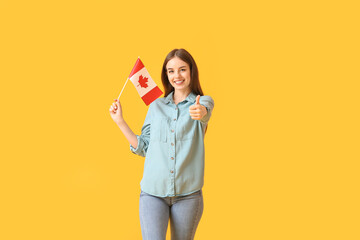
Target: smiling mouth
179 82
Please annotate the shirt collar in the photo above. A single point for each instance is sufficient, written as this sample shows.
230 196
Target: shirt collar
190 98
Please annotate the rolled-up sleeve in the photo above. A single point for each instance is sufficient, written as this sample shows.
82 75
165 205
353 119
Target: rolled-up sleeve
208 102
144 138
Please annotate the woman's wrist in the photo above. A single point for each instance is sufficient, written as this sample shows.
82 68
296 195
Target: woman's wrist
121 122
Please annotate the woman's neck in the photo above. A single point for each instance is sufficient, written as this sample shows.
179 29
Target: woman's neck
180 96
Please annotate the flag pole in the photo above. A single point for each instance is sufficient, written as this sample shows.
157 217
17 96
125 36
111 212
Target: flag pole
124 86
122 89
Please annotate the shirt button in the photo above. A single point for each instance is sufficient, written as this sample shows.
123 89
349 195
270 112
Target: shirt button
176 108
174 119
172 158
172 144
172 130
172 171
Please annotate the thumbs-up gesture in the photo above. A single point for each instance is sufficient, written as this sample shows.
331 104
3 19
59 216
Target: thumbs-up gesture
197 111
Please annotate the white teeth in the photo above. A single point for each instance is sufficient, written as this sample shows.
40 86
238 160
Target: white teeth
177 82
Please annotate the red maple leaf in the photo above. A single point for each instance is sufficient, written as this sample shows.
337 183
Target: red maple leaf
143 81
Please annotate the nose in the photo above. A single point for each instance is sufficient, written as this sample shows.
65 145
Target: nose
177 74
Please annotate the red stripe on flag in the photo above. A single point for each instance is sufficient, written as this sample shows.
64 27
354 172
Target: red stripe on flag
152 95
138 66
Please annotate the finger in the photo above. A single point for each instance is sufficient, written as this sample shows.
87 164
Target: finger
192 107
117 103
191 114
195 111
198 99
194 115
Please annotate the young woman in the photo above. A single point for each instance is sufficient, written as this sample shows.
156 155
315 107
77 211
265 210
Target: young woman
172 142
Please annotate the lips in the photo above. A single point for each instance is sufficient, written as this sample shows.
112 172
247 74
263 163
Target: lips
179 82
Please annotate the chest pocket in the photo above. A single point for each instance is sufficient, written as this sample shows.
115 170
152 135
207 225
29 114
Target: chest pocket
187 128
159 129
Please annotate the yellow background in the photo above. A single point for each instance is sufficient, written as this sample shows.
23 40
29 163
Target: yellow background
282 147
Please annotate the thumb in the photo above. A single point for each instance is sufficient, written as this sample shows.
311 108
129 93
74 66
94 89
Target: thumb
117 103
198 99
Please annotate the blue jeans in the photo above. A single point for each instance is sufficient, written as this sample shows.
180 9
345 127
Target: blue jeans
184 213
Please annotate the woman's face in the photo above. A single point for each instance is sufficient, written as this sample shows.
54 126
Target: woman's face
178 73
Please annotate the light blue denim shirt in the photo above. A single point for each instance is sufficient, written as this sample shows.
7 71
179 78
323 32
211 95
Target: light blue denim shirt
173 146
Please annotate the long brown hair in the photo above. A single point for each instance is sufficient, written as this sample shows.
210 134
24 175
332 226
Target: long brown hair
194 73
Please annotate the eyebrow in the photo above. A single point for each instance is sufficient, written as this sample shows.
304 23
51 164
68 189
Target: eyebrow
179 67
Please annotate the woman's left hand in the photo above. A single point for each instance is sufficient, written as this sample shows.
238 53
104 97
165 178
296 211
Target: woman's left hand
197 111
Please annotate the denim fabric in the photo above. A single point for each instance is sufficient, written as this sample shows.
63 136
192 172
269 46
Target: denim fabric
173 146
184 213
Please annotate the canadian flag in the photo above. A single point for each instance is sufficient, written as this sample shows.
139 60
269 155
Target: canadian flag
146 87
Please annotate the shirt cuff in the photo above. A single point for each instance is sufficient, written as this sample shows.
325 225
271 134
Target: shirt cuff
139 146
206 118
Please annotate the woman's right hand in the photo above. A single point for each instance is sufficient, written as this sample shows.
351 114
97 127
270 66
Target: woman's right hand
116 112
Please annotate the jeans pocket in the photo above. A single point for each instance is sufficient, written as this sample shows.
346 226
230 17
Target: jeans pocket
144 194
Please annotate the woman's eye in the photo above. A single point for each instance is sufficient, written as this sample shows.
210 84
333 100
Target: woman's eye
183 69
170 71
